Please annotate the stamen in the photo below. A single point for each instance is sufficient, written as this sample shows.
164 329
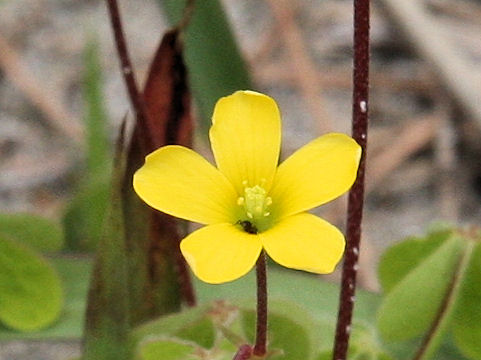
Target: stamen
255 203
245 183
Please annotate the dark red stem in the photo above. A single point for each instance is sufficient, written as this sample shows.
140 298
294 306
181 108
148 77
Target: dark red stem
126 67
356 195
260 347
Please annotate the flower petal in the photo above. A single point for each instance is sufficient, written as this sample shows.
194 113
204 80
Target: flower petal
304 242
220 253
318 172
180 182
245 137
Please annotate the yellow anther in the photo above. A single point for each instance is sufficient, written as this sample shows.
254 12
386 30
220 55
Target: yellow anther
240 201
249 215
268 201
245 183
267 213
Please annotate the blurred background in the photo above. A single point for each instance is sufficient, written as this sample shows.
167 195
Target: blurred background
425 102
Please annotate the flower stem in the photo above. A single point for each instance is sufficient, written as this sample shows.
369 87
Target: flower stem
260 347
135 97
356 195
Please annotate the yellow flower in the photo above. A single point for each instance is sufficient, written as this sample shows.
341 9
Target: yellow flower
249 203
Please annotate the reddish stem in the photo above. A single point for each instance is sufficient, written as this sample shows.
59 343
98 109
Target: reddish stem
356 195
126 67
260 347
244 353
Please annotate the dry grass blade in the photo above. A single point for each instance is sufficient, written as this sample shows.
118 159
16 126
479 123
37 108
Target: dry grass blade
55 114
301 65
410 139
430 42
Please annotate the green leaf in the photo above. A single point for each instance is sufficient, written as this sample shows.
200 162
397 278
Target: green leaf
364 344
30 291
35 231
85 215
467 321
213 59
401 258
107 316
318 297
291 330
411 306
166 349
96 120
75 276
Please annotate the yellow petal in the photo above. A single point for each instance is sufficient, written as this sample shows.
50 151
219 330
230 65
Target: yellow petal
304 242
320 171
220 253
180 182
245 137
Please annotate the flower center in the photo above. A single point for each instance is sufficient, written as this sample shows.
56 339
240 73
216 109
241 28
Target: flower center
255 203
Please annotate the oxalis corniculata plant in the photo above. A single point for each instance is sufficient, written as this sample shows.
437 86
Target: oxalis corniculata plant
251 208
142 304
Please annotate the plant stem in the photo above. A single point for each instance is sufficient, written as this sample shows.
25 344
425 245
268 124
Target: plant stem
244 353
260 347
135 96
356 195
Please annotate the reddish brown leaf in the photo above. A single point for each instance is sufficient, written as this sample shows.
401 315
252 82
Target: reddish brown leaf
167 95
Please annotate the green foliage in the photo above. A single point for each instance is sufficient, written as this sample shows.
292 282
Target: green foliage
31 295
432 287
37 232
96 120
84 217
213 59
467 320
166 349
107 317
409 308
363 345
404 256
291 333
75 276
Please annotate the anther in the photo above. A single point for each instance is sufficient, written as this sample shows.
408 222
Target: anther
245 183
268 201
249 215
267 213
240 201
